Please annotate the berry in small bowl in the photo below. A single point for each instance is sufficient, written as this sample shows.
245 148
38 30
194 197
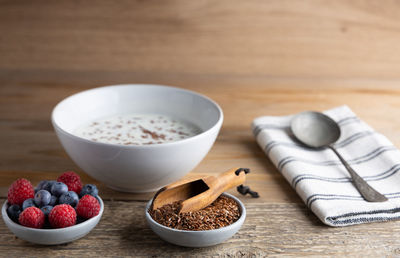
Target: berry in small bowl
46 218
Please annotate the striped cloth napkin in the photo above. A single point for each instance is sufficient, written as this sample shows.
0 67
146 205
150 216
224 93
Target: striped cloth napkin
321 180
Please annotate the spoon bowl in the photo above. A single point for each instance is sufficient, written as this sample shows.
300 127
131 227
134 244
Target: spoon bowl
317 130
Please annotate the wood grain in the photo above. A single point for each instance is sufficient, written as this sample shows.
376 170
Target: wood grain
253 57
269 230
312 38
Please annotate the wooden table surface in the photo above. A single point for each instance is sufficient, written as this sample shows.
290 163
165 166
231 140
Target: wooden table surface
253 57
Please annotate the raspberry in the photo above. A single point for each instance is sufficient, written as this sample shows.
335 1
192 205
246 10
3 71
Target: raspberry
88 207
62 216
72 180
19 191
32 217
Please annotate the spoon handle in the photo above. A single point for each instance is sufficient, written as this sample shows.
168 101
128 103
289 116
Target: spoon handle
369 193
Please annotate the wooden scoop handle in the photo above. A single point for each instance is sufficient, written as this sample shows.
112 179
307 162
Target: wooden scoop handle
217 185
225 181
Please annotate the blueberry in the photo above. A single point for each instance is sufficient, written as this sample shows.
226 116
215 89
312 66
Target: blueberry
80 219
53 201
89 189
70 198
47 186
46 209
28 203
42 198
40 185
59 188
13 212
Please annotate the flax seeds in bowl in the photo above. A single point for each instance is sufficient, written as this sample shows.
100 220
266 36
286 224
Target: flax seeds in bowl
209 226
222 212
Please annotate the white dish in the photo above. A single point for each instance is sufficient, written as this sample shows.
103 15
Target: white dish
52 236
201 238
137 168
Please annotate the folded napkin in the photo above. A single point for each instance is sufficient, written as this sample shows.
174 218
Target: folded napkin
321 180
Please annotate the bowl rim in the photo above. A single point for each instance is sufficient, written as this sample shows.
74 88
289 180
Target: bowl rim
42 230
193 138
223 229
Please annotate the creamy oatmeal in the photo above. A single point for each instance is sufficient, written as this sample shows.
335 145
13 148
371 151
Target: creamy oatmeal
137 129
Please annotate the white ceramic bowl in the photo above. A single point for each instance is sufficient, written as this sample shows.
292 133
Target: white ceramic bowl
201 238
137 168
51 236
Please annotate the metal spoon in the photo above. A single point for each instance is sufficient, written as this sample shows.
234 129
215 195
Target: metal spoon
317 130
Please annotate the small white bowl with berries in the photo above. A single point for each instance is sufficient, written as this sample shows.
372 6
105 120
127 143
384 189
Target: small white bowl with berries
55 212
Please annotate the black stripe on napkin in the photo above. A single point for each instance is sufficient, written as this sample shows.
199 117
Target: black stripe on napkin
258 128
331 197
388 173
367 157
353 138
361 220
314 197
348 120
353 217
341 144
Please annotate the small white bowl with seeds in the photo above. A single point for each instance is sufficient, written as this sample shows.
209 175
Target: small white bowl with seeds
137 137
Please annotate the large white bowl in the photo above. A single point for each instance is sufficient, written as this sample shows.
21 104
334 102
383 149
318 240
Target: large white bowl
137 168
52 236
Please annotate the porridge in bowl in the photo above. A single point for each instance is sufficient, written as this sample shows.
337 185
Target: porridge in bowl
137 129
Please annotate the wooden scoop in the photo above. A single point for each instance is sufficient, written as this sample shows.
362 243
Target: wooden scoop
200 193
